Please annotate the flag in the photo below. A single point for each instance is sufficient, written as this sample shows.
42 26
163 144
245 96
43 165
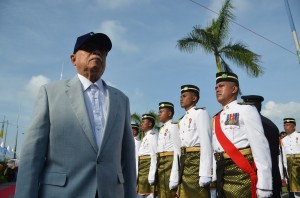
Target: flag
2 130
1 133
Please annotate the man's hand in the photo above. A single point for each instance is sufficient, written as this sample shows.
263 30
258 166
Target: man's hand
263 193
204 181
150 181
283 183
173 185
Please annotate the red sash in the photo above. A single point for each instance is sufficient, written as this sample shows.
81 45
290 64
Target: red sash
236 155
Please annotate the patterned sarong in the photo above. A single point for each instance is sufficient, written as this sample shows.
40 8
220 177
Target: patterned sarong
189 186
231 180
164 172
293 166
143 187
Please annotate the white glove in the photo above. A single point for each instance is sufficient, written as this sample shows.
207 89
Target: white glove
173 185
263 193
151 181
204 181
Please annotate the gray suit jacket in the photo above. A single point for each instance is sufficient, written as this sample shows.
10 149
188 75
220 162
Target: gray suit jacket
60 157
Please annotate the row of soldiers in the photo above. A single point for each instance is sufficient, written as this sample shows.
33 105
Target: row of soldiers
236 153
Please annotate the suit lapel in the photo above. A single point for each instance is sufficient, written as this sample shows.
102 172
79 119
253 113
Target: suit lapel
76 98
112 111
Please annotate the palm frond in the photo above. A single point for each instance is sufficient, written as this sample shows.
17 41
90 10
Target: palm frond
243 58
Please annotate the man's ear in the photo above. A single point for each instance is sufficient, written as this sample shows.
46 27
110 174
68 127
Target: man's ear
73 59
235 89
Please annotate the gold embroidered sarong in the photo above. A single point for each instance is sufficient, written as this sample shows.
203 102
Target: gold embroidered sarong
231 180
164 171
293 166
143 187
189 186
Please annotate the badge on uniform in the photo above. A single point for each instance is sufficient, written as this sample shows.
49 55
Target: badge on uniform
190 121
232 119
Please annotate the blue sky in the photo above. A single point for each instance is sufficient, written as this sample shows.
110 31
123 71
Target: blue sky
37 38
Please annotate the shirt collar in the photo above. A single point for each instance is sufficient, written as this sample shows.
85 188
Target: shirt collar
230 105
86 83
191 109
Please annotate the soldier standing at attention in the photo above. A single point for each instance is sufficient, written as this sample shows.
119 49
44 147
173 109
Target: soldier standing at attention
291 155
147 157
196 149
137 142
271 132
241 149
168 152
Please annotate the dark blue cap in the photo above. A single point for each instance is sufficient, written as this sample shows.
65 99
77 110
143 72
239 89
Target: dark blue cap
96 38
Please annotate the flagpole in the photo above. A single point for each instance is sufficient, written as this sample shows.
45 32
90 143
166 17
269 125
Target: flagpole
293 28
16 141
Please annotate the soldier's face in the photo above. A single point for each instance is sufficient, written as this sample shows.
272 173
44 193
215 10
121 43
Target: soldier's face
146 125
164 115
226 92
289 128
134 132
187 100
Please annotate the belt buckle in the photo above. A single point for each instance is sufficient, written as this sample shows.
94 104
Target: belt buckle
293 155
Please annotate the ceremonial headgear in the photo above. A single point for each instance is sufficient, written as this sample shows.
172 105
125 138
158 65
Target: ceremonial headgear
227 76
135 126
289 120
252 99
190 88
149 117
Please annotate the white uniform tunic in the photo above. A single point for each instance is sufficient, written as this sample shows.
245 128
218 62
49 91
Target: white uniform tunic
168 141
242 125
195 130
290 145
137 143
149 147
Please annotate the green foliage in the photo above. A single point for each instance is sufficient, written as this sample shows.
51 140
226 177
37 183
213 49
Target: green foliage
212 40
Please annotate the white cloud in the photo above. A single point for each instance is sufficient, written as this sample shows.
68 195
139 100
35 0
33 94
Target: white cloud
113 4
138 93
277 111
117 33
32 87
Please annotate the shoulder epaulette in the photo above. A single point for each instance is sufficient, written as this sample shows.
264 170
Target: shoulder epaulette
152 132
217 113
174 122
180 118
197 108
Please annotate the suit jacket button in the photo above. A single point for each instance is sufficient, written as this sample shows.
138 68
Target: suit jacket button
98 162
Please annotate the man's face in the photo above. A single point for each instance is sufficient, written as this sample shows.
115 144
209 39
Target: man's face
146 125
164 115
226 92
135 132
90 61
289 128
188 100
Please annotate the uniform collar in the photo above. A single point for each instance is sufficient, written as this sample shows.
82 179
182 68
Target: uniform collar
168 122
230 105
191 109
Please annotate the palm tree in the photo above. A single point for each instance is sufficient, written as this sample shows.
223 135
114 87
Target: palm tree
212 41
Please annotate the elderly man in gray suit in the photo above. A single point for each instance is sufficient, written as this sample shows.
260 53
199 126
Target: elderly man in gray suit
79 143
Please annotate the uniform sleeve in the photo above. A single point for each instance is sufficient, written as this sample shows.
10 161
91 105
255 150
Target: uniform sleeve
204 130
259 147
153 151
174 177
280 163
